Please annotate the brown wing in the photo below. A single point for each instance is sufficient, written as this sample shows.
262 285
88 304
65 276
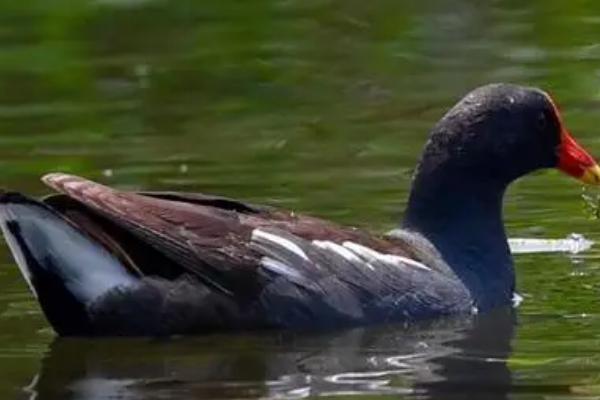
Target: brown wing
207 236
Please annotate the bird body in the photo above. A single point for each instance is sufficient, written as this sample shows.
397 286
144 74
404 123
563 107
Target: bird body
107 262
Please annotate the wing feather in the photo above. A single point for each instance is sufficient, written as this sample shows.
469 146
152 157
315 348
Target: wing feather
277 258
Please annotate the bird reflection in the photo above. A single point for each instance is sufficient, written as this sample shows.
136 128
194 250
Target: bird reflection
454 358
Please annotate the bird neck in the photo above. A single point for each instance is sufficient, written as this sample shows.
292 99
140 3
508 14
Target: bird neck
462 217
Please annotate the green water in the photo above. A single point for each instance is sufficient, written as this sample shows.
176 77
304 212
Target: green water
322 107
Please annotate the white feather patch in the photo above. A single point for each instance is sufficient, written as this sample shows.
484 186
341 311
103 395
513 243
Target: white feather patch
336 248
340 250
369 253
259 235
278 267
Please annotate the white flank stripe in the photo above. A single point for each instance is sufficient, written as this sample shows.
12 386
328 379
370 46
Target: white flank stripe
280 268
336 248
388 258
362 250
341 250
259 235
411 262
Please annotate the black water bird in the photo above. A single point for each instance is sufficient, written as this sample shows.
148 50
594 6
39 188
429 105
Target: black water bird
107 262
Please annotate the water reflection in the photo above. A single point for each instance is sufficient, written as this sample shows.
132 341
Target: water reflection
444 359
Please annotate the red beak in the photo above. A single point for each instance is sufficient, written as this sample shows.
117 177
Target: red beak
574 160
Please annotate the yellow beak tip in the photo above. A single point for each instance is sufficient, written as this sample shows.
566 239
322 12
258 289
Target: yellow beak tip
591 176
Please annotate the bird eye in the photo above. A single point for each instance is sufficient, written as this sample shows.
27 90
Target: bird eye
541 121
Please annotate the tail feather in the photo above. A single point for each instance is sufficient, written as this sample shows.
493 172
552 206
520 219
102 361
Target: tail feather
63 267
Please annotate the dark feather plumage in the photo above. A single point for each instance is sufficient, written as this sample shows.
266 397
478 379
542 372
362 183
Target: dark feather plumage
201 250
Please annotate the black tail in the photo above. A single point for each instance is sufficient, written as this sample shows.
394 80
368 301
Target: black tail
64 269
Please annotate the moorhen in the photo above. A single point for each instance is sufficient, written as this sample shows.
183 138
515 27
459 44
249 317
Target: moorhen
106 262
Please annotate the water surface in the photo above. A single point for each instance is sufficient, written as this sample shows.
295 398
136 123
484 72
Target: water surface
315 105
